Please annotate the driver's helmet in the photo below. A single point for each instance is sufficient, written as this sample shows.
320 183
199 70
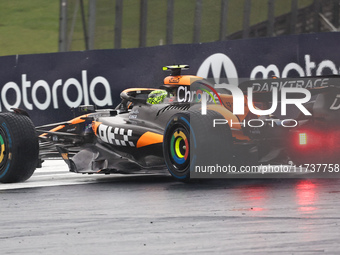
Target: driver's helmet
157 96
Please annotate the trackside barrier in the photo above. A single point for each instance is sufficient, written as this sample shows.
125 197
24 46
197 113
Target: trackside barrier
48 85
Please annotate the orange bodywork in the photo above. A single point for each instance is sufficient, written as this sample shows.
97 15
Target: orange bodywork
53 130
95 125
72 122
149 138
78 120
181 80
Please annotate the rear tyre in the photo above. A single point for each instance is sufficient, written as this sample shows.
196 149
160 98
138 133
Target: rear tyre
19 148
191 140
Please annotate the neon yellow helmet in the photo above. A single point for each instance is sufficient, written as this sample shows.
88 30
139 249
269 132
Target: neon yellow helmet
157 96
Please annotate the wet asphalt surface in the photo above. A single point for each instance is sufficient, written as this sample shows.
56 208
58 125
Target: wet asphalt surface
56 212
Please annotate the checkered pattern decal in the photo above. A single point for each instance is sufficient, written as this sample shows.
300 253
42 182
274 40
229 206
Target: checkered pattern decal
121 137
116 136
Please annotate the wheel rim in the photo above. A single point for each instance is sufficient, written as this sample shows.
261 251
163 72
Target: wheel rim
3 149
179 149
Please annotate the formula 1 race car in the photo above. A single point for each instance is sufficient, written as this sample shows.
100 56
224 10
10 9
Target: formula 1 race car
184 123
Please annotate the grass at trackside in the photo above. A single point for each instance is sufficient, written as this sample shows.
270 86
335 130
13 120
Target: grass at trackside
184 20
29 26
33 26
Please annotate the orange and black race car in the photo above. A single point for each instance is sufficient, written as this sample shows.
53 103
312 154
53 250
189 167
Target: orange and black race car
183 124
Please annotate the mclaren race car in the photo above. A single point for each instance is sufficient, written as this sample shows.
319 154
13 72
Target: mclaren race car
184 123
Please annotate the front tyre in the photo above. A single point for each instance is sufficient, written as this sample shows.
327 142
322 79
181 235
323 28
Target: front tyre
19 148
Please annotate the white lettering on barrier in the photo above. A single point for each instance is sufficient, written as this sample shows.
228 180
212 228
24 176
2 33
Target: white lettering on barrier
307 71
66 86
219 61
84 93
216 63
265 71
290 67
25 85
44 85
326 64
15 87
107 100
85 88
55 86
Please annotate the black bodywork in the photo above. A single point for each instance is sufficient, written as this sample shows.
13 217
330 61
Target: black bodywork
129 138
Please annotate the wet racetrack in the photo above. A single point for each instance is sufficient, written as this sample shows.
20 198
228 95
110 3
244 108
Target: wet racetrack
57 212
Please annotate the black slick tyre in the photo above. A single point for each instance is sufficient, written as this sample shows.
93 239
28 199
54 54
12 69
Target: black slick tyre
19 148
